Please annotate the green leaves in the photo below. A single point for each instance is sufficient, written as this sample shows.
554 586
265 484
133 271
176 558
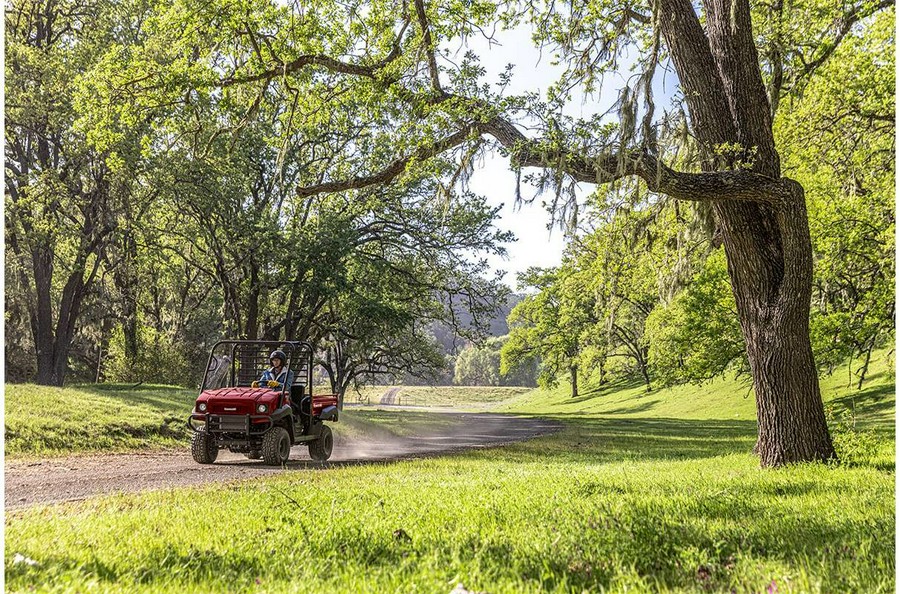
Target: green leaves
697 336
837 139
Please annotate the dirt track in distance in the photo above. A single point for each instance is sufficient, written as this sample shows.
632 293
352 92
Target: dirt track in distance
390 397
79 477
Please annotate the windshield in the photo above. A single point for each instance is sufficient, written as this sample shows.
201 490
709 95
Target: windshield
217 372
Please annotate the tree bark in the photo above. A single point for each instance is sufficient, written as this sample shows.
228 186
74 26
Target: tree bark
766 239
772 289
642 365
251 329
126 280
573 374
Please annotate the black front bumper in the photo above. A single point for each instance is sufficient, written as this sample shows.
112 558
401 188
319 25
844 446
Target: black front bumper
231 429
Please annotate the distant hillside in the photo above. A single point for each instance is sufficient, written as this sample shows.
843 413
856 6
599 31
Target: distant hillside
496 326
451 343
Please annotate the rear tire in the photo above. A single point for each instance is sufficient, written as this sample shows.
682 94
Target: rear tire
276 446
203 447
254 454
320 449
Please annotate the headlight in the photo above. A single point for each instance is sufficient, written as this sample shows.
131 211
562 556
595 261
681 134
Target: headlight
262 408
201 407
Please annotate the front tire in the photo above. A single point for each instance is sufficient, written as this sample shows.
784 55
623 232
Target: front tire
254 454
204 448
320 449
276 446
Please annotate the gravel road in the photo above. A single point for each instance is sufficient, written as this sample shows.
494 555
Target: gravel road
79 477
390 397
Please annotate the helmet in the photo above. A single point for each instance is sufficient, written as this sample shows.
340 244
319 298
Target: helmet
280 355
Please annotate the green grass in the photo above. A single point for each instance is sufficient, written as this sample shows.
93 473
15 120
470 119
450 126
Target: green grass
461 397
639 493
637 505
718 399
45 421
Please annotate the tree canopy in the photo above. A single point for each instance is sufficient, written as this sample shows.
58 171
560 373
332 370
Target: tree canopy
182 170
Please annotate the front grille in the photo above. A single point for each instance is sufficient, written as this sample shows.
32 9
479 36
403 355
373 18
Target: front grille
229 423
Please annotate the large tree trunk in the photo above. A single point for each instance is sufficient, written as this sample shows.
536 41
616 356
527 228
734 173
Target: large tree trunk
42 316
770 264
52 348
573 376
766 238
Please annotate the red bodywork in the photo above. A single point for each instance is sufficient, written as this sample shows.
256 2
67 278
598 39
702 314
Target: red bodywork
243 401
321 401
238 401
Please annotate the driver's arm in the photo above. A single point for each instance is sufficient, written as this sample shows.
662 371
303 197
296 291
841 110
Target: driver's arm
262 380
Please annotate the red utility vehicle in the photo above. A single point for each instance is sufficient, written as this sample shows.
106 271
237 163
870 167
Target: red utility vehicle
260 422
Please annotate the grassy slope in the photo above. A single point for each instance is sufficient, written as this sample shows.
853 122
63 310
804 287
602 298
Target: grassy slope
41 421
630 497
718 399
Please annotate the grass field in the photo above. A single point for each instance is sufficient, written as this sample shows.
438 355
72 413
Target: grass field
719 399
639 493
462 397
44 421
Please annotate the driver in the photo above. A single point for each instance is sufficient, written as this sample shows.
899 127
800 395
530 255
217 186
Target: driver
277 376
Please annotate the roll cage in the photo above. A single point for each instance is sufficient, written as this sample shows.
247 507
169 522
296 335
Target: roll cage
238 363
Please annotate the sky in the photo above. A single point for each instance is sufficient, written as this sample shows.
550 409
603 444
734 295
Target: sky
535 244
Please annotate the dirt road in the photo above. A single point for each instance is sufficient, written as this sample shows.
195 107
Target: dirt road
390 397
79 477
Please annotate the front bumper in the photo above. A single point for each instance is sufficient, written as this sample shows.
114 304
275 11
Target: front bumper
231 426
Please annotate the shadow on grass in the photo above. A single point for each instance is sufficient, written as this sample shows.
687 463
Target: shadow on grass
604 390
193 566
170 399
872 399
873 409
642 405
614 439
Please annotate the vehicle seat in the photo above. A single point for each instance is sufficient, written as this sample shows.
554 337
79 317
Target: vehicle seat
301 402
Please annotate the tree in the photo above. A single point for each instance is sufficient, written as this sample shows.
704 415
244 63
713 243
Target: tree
479 365
59 190
409 107
621 283
546 325
404 270
696 337
840 139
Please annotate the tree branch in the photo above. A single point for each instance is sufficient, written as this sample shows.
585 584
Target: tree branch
595 169
429 47
393 169
332 64
843 26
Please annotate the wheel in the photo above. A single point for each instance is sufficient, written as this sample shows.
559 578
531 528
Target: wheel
204 448
320 449
254 454
276 446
